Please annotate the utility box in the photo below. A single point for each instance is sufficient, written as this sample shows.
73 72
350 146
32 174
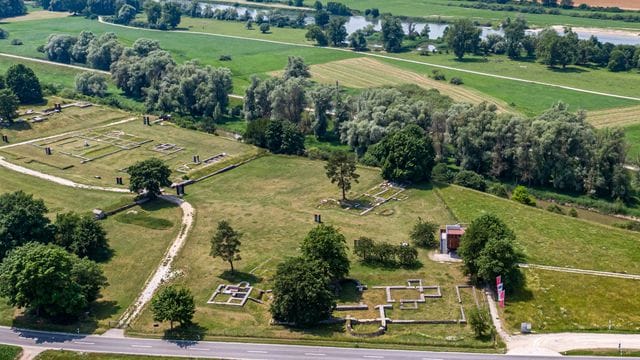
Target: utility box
525 328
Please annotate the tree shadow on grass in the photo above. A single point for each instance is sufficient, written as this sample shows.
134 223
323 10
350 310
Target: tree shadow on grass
323 330
239 276
156 204
348 292
85 324
568 70
185 335
17 126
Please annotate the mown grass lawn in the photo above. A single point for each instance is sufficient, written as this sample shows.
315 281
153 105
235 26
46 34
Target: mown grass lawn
69 355
8 352
555 302
552 239
272 200
138 246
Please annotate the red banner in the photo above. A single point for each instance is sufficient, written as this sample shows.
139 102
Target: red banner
501 296
498 280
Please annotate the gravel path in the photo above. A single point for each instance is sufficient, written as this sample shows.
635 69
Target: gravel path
581 271
55 63
163 271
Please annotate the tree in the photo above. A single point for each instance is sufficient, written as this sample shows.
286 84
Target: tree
75 6
521 195
336 31
81 235
301 293
50 281
153 10
264 28
424 33
424 234
149 175
553 49
470 179
358 40
617 61
321 98
22 219
10 8
104 51
296 68
341 170
480 321
500 258
406 155
225 244
91 84
9 104
24 83
59 47
315 33
514 33
476 236
171 15
463 37
81 46
288 100
173 304
392 34
322 18
126 13
327 245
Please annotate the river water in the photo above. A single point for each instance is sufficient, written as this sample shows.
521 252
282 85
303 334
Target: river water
436 30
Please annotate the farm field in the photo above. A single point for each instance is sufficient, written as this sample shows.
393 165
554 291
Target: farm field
623 4
434 9
98 156
138 246
628 119
252 208
362 73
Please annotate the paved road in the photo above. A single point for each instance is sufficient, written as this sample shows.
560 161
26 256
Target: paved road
226 350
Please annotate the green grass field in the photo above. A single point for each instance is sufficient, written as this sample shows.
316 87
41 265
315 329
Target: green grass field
8 352
436 8
138 246
255 195
632 135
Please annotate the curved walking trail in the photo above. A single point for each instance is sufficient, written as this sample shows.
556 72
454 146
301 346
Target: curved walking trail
42 61
388 57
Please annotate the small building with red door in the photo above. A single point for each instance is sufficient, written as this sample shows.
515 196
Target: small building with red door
450 238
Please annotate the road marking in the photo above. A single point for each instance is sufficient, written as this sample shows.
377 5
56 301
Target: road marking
315 354
84 342
141 346
430 359
199 349
374 357
257 351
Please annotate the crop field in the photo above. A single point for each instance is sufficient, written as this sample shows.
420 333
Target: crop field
623 4
98 156
251 197
618 117
138 246
363 73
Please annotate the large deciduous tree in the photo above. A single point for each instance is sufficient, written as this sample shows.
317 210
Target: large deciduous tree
225 243
423 234
392 34
301 293
463 37
326 244
296 68
336 31
82 235
173 304
24 83
50 281
149 175
341 170
22 219
10 8
288 100
59 48
91 84
9 104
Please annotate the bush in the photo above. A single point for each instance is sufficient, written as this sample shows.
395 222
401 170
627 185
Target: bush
423 234
264 28
555 209
3 34
479 321
315 153
385 254
441 173
456 81
437 75
521 195
470 179
629 225
498 189
573 212
16 42
225 58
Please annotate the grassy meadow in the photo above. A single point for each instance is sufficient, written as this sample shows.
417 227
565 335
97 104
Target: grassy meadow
8 352
138 246
289 190
70 355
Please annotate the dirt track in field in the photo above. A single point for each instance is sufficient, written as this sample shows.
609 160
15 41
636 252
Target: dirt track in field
365 73
623 4
614 117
